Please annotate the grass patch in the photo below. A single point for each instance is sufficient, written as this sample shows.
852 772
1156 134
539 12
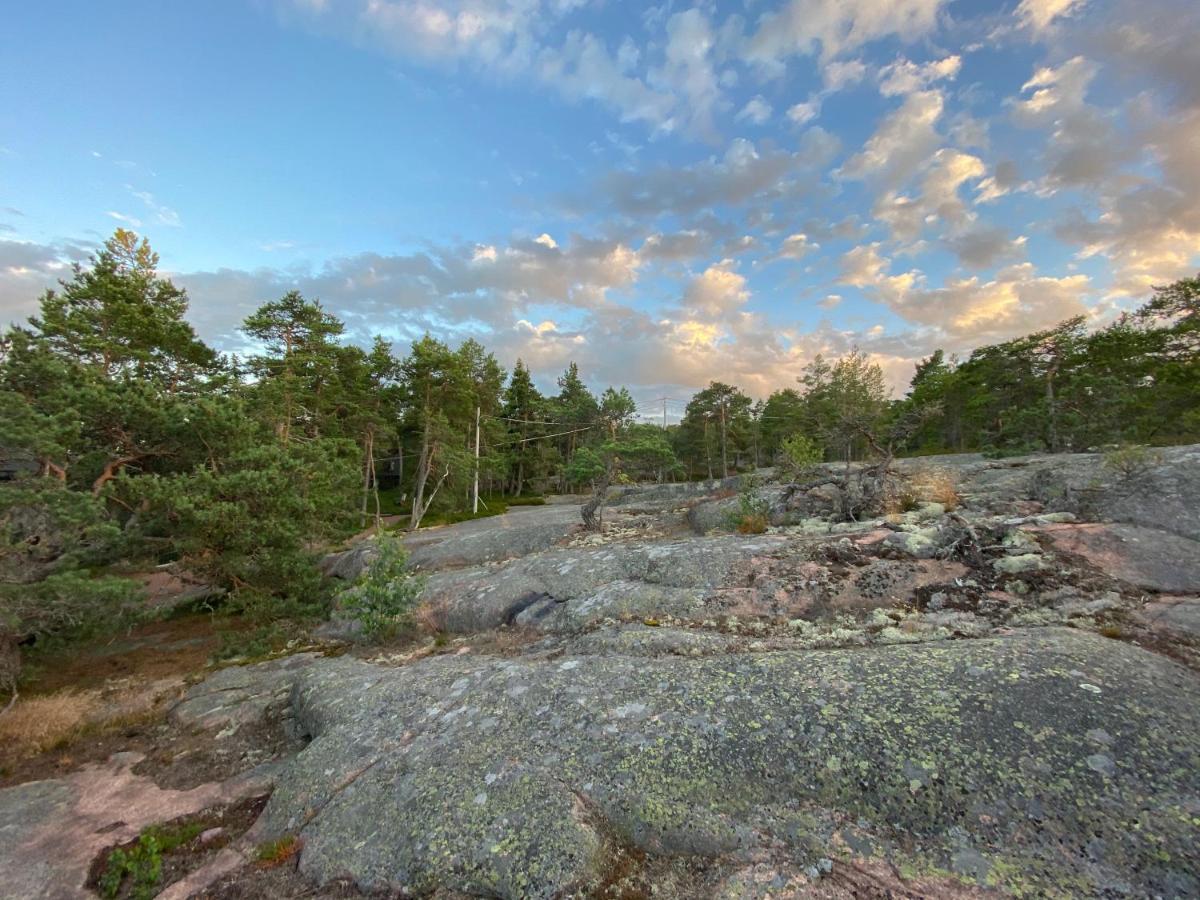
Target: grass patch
39 723
277 852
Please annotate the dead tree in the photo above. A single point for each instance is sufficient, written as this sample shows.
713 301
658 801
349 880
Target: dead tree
591 512
863 491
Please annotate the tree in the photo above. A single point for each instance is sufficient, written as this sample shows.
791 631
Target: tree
617 410
781 416
716 424
844 399
301 358
525 408
100 378
574 409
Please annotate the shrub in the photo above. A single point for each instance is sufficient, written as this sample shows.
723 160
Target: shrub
801 454
752 524
385 596
751 514
1131 463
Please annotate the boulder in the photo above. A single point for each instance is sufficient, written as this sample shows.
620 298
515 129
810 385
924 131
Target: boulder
1043 761
592 583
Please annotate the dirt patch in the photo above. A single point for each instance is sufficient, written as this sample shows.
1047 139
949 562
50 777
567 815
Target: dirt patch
173 647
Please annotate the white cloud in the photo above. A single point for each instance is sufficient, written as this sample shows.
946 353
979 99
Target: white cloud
840 74
163 215
715 293
834 27
1038 15
904 76
795 246
804 112
124 219
757 111
687 71
902 141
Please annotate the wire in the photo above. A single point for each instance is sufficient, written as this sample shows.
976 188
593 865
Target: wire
543 436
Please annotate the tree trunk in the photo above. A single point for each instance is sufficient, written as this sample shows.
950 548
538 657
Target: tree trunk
591 511
110 472
424 464
368 468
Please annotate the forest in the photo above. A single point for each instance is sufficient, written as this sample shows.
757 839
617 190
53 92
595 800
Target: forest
127 441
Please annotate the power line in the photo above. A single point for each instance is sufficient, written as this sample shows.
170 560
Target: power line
542 437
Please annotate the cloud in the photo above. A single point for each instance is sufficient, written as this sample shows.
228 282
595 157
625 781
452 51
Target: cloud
583 69
163 215
802 113
687 71
985 246
970 312
835 27
124 219
757 112
795 246
901 142
905 77
715 293
841 74
1038 15
938 202
744 173
27 269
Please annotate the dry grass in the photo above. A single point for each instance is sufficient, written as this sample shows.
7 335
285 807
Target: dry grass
35 724
755 523
276 853
937 485
430 618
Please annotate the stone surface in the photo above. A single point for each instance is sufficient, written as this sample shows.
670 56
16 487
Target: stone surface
1148 558
1179 616
509 777
50 831
566 589
238 695
519 532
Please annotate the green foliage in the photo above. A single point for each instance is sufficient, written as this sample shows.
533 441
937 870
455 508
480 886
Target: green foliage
717 431
1131 463
385 595
753 508
800 454
140 866
249 524
585 467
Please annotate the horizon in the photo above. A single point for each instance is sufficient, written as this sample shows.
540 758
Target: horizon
714 191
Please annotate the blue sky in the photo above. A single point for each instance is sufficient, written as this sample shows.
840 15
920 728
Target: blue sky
666 194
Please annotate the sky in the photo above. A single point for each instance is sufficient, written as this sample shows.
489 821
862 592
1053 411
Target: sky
665 194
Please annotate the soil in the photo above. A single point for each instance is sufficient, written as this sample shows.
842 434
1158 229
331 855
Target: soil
177 646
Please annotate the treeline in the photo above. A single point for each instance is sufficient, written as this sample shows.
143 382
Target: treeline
127 438
1136 381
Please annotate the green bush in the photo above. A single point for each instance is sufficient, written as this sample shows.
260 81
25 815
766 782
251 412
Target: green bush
141 864
801 454
752 511
385 595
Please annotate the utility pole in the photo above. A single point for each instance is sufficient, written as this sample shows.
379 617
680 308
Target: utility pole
475 492
664 413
